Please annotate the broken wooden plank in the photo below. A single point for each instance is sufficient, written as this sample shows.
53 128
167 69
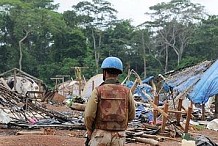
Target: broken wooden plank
154 105
78 106
147 141
157 137
30 132
63 126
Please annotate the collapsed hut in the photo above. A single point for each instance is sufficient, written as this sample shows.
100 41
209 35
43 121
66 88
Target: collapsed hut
198 84
21 82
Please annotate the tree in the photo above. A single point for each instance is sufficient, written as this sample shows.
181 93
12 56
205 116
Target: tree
99 14
173 23
142 44
24 21
117 42
204 41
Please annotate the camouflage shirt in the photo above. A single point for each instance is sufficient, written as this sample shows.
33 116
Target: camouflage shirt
110 107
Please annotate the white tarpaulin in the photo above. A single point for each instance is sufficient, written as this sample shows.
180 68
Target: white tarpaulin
213 125
91 84
4 117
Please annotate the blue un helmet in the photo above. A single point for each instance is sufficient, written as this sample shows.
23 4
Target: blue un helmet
112 62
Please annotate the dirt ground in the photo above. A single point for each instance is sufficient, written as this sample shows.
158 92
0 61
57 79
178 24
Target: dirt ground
8 137
63 137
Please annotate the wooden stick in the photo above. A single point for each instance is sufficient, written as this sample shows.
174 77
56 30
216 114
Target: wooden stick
176 112
188 119
78 106
147 141
216 105
154 106
157 137
203 112
164 119
146 125
155 113
132 133
30 133
187 112
178 116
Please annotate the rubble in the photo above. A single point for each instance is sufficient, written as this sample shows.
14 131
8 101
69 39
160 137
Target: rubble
160 116
23 111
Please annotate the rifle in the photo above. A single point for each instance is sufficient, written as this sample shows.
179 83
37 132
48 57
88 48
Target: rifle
87 140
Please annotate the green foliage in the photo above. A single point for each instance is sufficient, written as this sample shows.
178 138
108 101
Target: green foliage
90 32
188 62
205 40
48 71
67 65
199 127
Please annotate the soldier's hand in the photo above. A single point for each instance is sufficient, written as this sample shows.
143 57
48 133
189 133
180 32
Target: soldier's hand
89 134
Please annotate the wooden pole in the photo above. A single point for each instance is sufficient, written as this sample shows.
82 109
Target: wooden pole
56 81
164 119
203 112
147 141
187 112
157 137
80 87
216 105
78 106
78 74
171 93
155 112
63 85
188 117
154 105
178 115
15 80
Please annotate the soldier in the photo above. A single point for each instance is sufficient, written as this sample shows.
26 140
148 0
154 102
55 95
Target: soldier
110 107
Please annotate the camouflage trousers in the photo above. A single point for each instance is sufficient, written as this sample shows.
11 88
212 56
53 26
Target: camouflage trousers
107 138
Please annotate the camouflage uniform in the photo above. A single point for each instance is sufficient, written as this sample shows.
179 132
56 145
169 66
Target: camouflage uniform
108 111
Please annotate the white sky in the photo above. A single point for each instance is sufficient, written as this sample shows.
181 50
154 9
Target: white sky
135 9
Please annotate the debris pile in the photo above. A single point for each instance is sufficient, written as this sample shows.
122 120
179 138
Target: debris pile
27 112
164 109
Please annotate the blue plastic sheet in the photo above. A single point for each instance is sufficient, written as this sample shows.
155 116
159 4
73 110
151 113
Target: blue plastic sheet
143 87
207 86
166 87
147 80
188 78
141 111
187 84
129 84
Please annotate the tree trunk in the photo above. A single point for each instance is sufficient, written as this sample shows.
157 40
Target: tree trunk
166 59
21 54
181 52
95 50
144 57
